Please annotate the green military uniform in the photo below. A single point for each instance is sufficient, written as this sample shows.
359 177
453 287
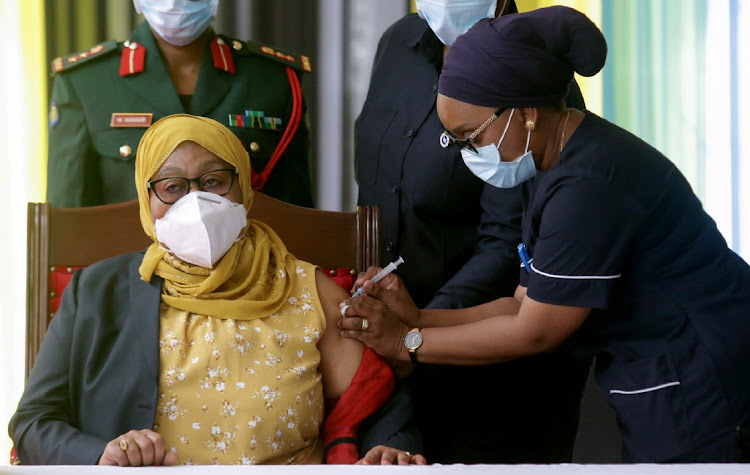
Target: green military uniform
99 112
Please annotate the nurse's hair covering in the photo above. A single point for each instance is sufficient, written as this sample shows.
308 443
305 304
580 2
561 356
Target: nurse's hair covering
253 279
523 59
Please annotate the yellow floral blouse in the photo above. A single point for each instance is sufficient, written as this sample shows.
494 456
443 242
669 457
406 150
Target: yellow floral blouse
244 391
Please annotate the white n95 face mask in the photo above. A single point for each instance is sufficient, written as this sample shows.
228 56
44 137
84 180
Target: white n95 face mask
201 227
449 19
179 22
487 165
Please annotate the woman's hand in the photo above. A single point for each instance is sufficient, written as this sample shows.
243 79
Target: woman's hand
377 318
363 277
136 448
391 291
382 455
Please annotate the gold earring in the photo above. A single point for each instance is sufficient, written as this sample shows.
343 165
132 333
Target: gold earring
530 125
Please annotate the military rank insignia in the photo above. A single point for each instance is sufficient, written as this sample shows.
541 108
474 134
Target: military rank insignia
254 120
54 114
64 63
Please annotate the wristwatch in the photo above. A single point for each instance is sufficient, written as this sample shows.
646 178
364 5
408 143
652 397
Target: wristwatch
412 341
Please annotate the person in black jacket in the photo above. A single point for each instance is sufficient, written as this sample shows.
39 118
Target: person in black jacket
458 237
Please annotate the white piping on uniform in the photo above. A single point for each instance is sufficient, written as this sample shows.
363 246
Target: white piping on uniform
645 390
574 277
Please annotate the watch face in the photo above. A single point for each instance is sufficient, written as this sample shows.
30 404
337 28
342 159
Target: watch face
413 340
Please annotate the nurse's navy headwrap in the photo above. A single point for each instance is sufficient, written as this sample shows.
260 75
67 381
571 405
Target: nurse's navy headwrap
524 59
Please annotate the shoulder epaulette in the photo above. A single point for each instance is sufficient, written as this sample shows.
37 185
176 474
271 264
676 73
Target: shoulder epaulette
296 61
63 63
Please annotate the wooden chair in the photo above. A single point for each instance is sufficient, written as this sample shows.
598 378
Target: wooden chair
61 240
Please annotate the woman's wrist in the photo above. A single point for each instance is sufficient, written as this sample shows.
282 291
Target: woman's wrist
402 354
415 320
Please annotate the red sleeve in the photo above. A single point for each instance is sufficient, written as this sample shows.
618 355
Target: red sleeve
369 390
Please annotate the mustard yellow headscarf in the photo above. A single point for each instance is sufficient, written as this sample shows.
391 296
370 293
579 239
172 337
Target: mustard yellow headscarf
252 280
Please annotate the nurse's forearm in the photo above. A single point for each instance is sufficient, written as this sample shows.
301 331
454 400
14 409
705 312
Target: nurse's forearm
493 340
536 328
453 317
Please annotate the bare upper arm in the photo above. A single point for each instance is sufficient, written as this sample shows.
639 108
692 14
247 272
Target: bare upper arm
340 357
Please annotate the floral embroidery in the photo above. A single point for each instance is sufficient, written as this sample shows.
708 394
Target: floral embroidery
269 395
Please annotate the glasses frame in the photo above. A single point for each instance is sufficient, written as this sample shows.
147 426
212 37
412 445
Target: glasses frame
467 142
151 184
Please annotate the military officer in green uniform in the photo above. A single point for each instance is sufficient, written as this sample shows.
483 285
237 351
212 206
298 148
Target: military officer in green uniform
105 98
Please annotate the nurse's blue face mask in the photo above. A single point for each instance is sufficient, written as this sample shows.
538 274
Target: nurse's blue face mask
485 162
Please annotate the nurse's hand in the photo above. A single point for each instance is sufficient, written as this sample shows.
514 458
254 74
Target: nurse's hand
369 274
381 317
392 291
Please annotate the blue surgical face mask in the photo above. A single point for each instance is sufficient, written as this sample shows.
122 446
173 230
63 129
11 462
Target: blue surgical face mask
449 19
179 22
487 165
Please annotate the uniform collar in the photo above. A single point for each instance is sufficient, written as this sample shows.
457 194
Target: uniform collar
155 85
427 44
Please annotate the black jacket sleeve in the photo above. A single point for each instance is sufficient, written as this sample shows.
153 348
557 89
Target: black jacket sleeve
42 428
392 425
492 271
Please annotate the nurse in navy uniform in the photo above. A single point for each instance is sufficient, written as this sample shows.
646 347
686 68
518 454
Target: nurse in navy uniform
622 262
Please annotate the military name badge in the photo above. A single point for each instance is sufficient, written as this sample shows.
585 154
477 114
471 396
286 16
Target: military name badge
126 119
54 114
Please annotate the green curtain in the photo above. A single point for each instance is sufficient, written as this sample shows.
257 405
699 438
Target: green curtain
653 79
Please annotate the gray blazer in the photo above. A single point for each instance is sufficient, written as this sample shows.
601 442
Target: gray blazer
96 376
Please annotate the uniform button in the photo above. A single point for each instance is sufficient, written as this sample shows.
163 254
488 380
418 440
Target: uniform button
125 151
53 269
394 189
434 88
126 44
410 133
52 294
220 41
254 147
133 45
332 272
236 45
389 246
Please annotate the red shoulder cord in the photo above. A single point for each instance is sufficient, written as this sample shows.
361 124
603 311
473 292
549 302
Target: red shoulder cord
258 180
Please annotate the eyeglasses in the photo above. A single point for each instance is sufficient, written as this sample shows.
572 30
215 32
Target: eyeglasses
169 190
467 142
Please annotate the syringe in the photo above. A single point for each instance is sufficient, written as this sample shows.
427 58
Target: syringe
388 269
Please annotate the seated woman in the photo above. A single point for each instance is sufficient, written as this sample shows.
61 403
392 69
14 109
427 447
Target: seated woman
210 347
